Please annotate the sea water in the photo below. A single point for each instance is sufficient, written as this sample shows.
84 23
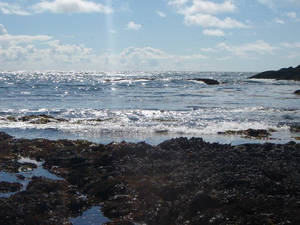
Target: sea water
146 106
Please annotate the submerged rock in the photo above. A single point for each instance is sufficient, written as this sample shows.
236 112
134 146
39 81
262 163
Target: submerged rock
282 74
206 81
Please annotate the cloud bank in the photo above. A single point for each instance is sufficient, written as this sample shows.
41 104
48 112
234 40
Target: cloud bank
70 6
55 6
43 52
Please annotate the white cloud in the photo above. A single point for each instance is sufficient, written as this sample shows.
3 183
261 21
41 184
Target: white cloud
42 52
149 58
2 29
268 3
12 9
133 26
153 53
53 55
292 15
208 49
39 51
161 14
7 38
145 53
206 20
178 2
291 45
217 33
55 6
70 6
258 47
208 7
203 13
279 21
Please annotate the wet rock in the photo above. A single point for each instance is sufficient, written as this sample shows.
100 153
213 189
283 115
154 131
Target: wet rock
250 133
20 177
26 167
11 118
120 222
44 202
282 74
165 131
297 92
295 127
103 188
9 187
157 185
100 120
206 81
4 136
40 119
202 202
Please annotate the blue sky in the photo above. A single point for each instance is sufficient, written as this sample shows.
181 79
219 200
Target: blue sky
203 35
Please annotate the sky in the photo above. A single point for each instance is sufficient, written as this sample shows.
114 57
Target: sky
149 35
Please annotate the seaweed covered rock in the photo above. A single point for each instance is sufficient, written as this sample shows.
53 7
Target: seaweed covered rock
180 181
44 202
4 136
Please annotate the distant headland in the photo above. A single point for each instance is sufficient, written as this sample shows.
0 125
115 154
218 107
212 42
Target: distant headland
290 73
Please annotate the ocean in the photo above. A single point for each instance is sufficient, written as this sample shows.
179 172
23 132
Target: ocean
106 107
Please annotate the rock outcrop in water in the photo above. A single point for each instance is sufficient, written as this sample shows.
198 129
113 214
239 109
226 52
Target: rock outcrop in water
297 92
36 119
250 133
206 81
180 181
295 127
282 74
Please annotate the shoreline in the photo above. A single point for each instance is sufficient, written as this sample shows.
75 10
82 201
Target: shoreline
56 128
180 181
233 137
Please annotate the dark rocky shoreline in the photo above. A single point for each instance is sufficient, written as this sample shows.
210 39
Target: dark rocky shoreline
282 74
180 181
